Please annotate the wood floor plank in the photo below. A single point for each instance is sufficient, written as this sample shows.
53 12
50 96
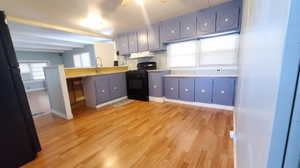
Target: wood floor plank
137 135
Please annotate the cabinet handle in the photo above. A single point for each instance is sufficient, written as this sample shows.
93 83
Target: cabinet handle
186 90
102 91
115 88
226 19
206 24
172 31
188 28
154 86
171 88
203 90
222 91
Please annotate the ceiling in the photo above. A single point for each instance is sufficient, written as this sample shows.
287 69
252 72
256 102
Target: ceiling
107 16
39 39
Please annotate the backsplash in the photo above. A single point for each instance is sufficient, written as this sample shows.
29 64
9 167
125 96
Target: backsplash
161 59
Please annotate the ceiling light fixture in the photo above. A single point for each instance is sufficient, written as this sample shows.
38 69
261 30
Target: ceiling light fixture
139 2
93 21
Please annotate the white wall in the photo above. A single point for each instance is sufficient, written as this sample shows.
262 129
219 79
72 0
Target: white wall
261 51
106 51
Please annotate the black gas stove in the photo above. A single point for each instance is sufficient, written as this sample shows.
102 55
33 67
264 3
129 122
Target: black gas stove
137 81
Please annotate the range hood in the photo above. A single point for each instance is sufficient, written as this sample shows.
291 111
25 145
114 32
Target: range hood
141 55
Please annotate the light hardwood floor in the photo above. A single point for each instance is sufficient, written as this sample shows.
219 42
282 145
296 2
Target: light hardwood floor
138 135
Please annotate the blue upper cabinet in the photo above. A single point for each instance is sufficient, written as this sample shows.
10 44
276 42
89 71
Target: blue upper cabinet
170 30
143 40
133 42
224 91
203 90
228 17
154 38
187 89
188 25
206 22
122 44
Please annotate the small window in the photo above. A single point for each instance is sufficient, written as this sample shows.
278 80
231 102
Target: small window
32 70
182 54
24 68
82 60
38 71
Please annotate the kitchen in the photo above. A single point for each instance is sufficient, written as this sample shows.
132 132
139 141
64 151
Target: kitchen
170 88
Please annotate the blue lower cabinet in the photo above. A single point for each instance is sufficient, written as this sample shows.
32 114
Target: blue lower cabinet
171 88
102 89
203 90
187 89
155 85
115 86
224 91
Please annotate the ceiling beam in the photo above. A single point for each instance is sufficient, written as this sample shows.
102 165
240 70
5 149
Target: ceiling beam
38 50
37 43
31 40
41 47
55 27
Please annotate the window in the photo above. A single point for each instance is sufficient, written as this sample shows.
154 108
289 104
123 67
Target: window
82 60
222 50
32 70
182 54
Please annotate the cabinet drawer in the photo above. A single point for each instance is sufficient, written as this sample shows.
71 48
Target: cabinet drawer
224 91
102 89
171 88
203 90
187 89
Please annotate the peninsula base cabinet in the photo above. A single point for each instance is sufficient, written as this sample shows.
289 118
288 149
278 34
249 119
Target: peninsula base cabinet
218 90
104 88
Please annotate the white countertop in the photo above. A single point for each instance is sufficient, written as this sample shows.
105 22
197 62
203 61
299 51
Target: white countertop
206 75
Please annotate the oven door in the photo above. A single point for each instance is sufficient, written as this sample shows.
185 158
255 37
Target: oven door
137 85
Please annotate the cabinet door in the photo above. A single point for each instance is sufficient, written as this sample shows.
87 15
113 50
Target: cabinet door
155 85
171 88
123 83
188 25
228 18
143 40
170 30
206 22
154 38
133 42
203 90
115 86
122 43
224 91
187 89
102 89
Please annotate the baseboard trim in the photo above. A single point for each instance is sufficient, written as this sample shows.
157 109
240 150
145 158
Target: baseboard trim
215 106
156 99
34 90
111 102
59 114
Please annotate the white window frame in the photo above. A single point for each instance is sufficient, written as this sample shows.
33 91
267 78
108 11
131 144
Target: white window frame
29 62
81 60
199 55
